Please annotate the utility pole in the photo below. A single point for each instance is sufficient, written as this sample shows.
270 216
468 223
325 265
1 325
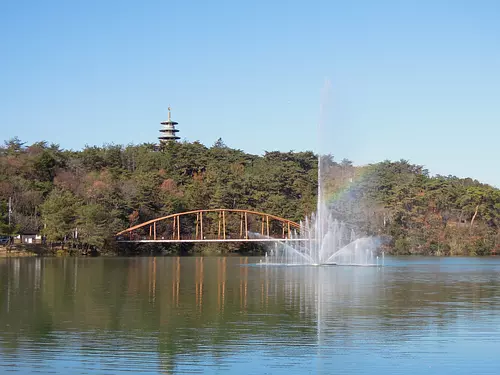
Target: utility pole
10 209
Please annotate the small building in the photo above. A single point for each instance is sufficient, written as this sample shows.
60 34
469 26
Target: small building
28 238
168 133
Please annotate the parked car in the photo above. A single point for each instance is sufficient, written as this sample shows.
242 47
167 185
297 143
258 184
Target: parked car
4 240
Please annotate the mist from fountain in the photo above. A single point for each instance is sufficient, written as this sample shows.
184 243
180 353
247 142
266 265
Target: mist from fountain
323 240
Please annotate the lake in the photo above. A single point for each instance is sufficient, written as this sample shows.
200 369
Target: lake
228 315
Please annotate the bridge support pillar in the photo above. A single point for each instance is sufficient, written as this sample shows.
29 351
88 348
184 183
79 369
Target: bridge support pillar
197 225
201 225
178 227
219 225
241 225
246 226
173 229
224 224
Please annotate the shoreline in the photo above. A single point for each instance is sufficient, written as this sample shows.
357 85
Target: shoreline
25 250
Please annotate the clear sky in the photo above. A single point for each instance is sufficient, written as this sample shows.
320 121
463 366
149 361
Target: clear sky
416 80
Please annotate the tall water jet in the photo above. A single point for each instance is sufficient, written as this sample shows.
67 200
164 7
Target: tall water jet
324 238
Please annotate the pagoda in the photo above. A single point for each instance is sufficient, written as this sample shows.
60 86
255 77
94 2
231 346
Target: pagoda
169 132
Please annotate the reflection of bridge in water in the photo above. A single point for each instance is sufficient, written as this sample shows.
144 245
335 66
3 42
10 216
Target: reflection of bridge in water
200 280
212 225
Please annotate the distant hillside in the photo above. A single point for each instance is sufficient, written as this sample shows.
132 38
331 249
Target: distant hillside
101 190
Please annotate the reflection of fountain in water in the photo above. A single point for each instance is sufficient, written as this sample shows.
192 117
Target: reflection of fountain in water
323 239
336 299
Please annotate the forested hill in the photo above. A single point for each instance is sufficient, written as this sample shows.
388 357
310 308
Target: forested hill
101 190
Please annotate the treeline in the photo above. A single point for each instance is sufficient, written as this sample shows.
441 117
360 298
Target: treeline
414 213
87 196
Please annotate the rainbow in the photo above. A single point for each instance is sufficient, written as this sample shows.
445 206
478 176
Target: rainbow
346 188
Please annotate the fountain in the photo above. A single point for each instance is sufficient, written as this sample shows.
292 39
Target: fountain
323 239
326 238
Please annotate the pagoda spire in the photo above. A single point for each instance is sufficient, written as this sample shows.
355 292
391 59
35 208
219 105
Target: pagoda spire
168 132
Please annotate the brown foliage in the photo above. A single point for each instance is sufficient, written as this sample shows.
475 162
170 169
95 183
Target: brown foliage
6 189
198 176
133 217
170 187
67 180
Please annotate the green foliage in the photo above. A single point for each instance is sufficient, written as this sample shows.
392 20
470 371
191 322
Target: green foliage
93 224
59 213
87 196
402 246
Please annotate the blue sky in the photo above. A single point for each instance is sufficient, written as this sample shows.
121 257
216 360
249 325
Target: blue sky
417 80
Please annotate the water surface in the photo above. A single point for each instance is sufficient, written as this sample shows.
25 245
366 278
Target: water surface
228 315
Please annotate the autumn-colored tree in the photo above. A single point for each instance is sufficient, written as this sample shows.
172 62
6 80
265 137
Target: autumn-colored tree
87 196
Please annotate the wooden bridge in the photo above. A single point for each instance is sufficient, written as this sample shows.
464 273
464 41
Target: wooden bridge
212 225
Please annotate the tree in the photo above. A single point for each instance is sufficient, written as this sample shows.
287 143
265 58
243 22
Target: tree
14 146
59 213
219 144
95 224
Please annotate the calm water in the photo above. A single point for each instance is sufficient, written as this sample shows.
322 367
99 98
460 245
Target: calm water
225 315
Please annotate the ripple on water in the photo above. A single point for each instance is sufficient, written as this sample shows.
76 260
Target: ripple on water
169 315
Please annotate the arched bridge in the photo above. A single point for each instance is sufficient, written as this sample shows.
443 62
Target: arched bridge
212 225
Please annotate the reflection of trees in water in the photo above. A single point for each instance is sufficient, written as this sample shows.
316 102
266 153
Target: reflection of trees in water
180 307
